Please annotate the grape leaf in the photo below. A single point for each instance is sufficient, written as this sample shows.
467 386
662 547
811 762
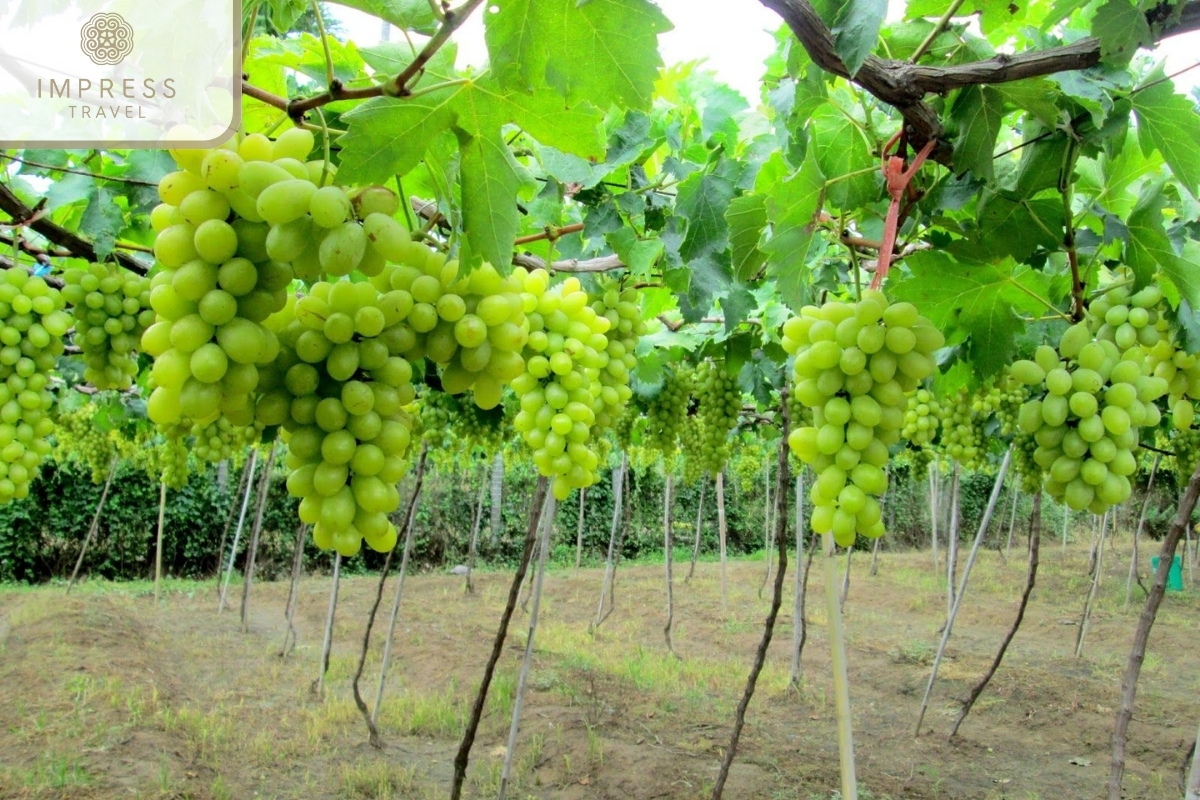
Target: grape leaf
703 199
1017 227
856 30
792 208
640 255
1042 161
977 111
975 301
1038 96
387 136
1167 123
413 15
721 107
840 149
605 51
746 217
71 188
102 221
1148 249
491 178
1121 29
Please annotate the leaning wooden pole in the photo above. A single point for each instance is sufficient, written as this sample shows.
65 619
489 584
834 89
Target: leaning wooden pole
1137 652
290 636
983 526
933 509
799 628
95 526
469 587
579 529
1090 603
952 543
327 641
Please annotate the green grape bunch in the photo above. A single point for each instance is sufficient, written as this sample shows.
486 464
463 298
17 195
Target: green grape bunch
1088 401
79 440
32 325
720 402
667 411
854 363
111 307
922 418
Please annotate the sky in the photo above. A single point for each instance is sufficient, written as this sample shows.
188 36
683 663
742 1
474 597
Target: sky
733 44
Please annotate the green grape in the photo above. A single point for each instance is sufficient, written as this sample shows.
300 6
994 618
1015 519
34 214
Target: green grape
853 364
31 330
922 418
109 321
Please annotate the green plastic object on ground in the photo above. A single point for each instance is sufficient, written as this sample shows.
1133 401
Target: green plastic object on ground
1174 577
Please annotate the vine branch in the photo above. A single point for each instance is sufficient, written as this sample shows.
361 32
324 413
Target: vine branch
56 234
904 85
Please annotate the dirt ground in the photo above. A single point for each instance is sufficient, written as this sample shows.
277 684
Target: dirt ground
104 696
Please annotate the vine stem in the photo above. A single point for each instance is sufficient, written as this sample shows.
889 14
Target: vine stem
668 557
721 533
1035 538
469 588
95 526
938 29
84 172
462 758
410 518
984 523
1137 652
547 517
776 601
290 637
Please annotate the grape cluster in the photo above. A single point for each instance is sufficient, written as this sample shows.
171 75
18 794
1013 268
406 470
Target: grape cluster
922 418
720 402
345 427
561 392
1089 400
111 307
78 440
222 276
667 411
32 324
167 460
1026 466
473 327
854 362
1186 446
625 329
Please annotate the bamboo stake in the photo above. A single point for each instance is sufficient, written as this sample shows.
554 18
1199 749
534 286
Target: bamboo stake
162 507
237 536
699 529
1089 603
497 518
95 526
1192 790
609 563
799 631
846 575
766 527
233 507
933 509
841 677
952 545
668 557
327 643
264 489
1066 520
721 533
475 524
579 530
966 576
527 659
1012 521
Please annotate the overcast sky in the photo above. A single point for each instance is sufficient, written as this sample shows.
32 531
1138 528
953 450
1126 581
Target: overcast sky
733 36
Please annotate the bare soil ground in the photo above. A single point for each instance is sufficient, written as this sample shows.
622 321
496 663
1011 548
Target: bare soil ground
104 696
